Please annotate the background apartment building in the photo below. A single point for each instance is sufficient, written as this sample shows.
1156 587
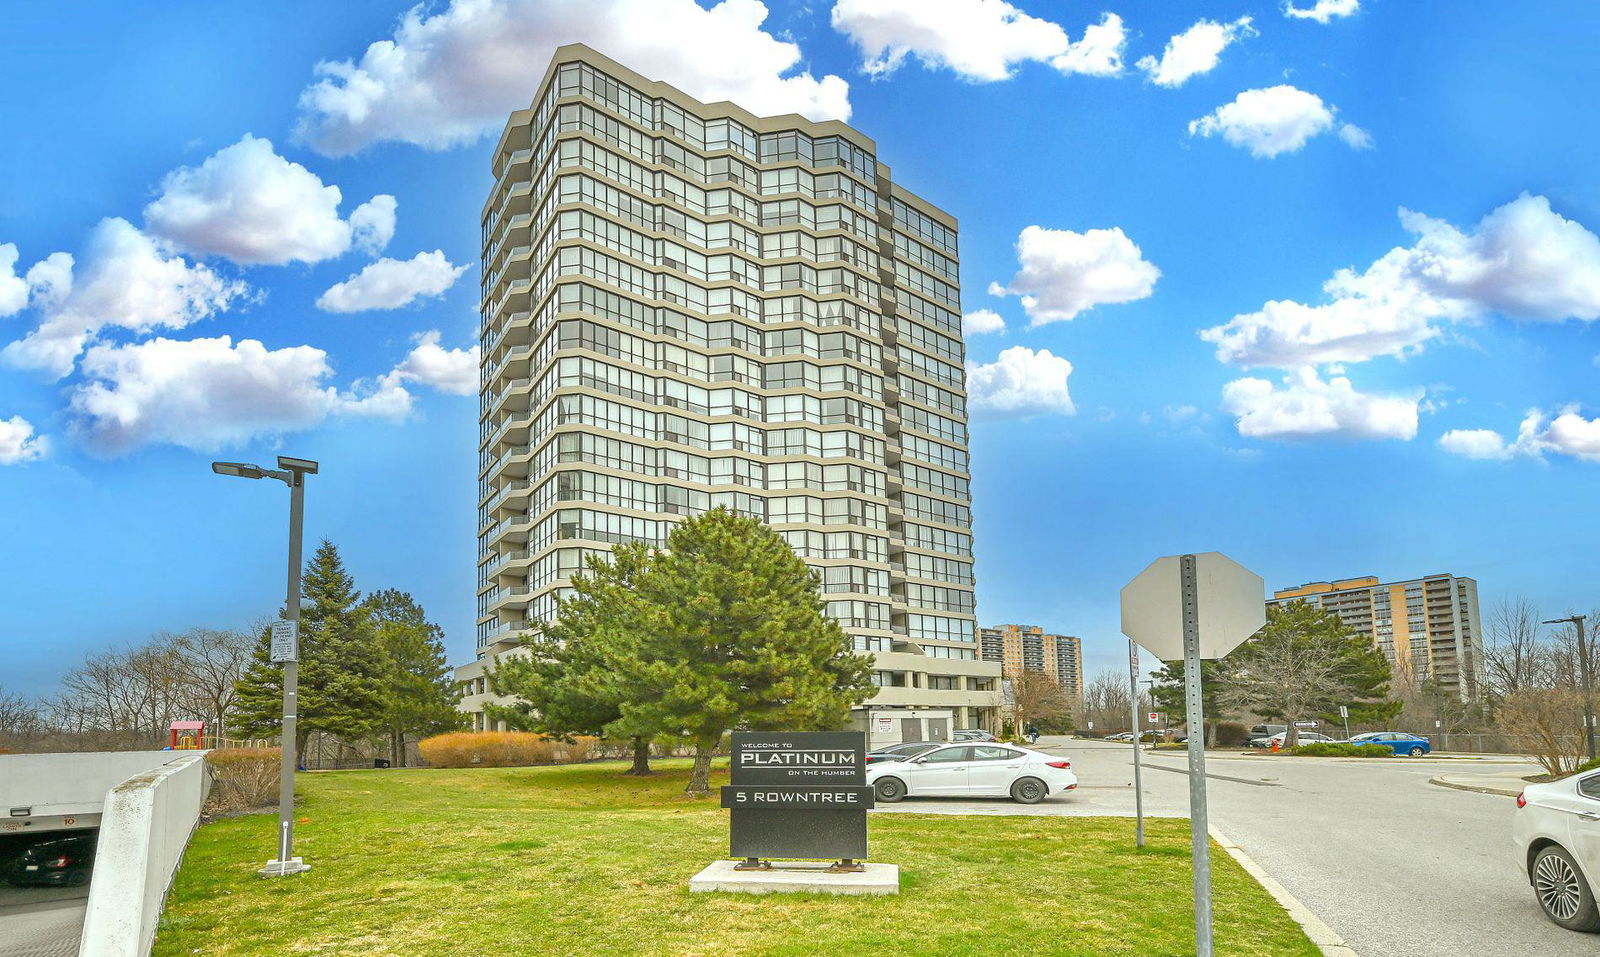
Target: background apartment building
1429 628
686 306
1027 647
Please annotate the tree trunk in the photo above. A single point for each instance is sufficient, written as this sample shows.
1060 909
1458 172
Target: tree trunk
700 774
641 757
397 748
1211 733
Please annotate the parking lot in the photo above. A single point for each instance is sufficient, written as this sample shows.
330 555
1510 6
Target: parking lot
1396 866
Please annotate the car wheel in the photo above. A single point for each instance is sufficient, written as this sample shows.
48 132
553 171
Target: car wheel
1563 893
889 790
1416 751
77 879
1028 791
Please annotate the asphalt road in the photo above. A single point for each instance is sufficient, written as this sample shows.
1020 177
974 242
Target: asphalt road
1396 866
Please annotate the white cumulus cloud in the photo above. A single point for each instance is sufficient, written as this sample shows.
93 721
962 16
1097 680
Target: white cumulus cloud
1278 119
979 40
1567 433
209 394
43 286
1021 382
1063 273
1322 11
392 283
454 371
129 281
1523 260
1195 51
372 223
450 75
249 204
981 321
18 444
1304 406
13 288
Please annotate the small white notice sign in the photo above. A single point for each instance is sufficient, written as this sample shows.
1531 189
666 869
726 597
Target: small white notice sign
285 641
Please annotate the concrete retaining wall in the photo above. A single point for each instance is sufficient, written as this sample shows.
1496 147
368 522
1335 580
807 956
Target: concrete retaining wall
73 783
144 828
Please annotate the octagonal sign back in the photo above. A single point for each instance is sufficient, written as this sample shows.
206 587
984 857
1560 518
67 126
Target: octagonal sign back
1231 606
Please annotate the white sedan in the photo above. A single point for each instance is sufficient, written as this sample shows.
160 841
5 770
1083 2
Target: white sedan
974 770
1557 833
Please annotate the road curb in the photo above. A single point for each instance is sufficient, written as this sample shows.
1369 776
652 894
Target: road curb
1327 941
1476 788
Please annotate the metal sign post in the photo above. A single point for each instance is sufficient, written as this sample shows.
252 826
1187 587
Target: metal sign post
1133 706
1199 826
1194 607
1344 713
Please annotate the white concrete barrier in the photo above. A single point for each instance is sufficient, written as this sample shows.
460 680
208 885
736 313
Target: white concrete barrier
144 828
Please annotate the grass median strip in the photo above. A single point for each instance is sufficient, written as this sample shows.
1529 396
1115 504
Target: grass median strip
582 860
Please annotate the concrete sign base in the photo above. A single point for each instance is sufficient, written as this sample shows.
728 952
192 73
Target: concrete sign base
293 865
795 877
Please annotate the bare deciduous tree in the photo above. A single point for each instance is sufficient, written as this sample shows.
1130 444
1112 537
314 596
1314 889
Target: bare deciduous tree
1036 696
125 698
1548 723
21 721
1105 701
1516 655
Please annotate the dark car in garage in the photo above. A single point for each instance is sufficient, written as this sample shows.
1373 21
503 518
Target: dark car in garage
61 860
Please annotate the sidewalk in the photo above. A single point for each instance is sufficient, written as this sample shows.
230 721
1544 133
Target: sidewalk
1501 783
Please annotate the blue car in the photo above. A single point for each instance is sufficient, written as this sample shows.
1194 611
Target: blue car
1397 741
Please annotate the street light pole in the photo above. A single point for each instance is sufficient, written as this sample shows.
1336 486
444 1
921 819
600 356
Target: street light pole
1583 675
285 649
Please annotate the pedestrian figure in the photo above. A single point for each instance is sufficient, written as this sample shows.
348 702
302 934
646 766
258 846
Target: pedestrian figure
1032 733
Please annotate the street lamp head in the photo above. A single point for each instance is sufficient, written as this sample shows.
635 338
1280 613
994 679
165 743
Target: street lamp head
291 464
238 469
1563 621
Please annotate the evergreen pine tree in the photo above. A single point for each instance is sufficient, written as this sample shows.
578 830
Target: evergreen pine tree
564 686
729 631
341 668
420 691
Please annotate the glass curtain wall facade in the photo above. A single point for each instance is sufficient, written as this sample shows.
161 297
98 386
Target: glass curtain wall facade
687 307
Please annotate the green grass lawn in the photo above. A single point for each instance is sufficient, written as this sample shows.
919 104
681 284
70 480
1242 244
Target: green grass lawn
583 861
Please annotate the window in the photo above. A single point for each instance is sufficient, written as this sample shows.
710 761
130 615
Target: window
944 683
1590 786
948 755
989 752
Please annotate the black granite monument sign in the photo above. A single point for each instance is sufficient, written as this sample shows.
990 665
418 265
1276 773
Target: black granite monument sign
799 795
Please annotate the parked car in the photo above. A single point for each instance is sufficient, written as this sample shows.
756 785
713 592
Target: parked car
1122 736
899 752
1306 737
974 770
972 734
1267 730
1397 741
62 859
1556 829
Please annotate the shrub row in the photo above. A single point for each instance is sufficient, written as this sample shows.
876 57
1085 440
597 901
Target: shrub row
500 749
242 779
1340 749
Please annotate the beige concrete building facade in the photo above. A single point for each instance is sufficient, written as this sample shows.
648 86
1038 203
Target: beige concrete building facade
1027 647
1429 628
686 306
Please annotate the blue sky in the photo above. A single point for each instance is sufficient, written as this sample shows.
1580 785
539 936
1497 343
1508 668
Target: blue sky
1433 410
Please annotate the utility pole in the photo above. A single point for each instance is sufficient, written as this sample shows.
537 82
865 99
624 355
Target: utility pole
1583 675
